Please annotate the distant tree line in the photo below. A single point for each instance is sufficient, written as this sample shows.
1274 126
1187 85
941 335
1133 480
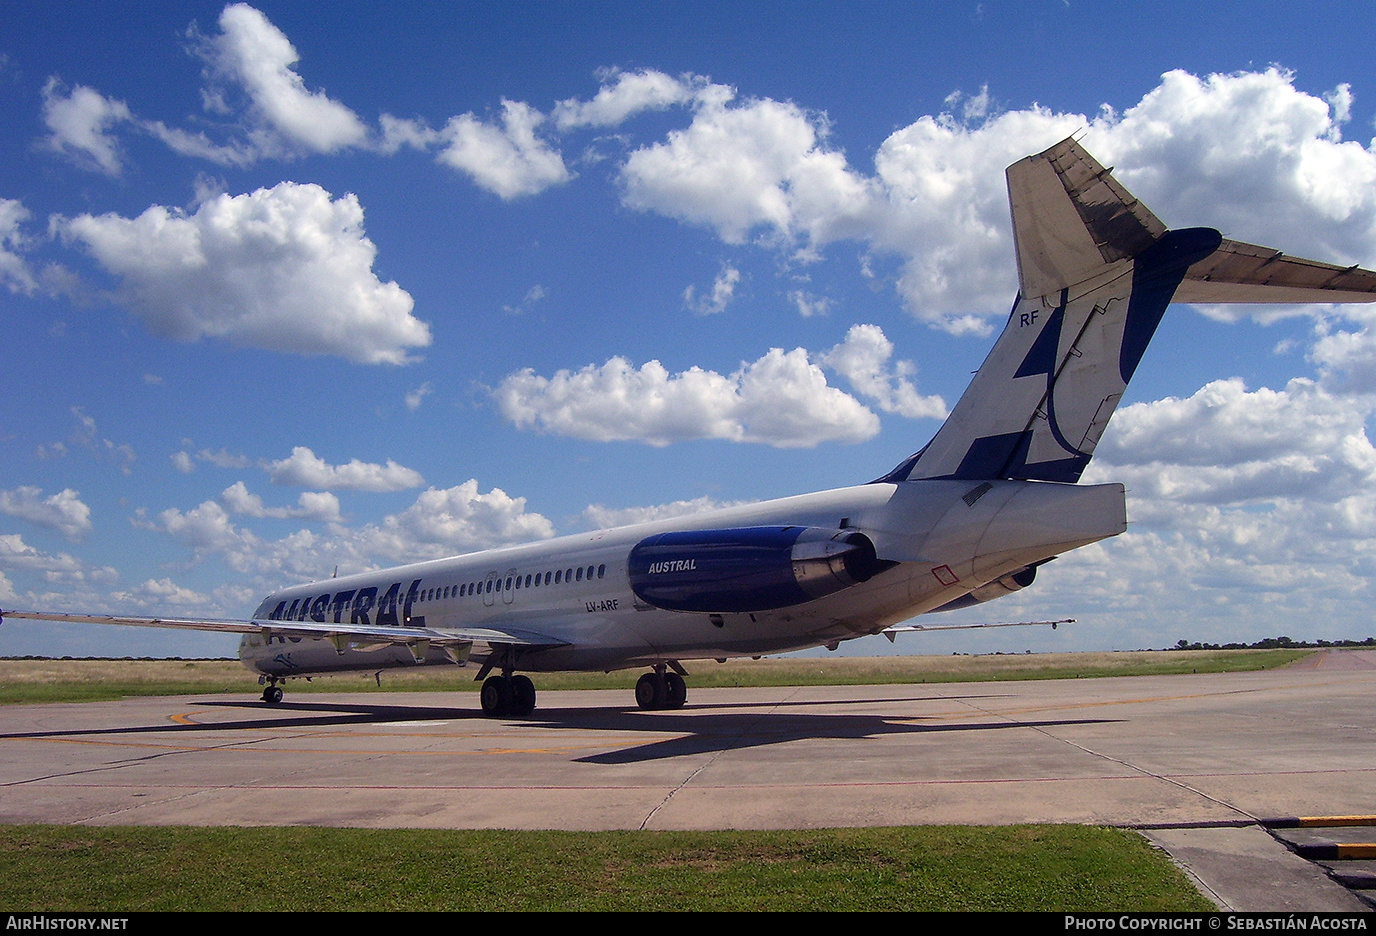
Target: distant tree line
1275 643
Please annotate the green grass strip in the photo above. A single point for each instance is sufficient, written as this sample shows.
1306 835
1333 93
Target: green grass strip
1050 868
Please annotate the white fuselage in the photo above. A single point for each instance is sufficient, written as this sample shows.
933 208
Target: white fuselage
945 539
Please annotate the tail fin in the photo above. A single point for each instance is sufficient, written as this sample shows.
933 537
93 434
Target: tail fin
1096 271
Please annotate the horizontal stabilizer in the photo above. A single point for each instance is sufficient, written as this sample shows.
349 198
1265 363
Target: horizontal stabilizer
891 632
1239 272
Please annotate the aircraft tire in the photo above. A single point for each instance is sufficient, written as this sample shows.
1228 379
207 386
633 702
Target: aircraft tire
522 695
496 696
675 691
272 695
650 692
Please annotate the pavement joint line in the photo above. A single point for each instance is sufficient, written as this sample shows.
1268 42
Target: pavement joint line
1122 763
735 740
127 762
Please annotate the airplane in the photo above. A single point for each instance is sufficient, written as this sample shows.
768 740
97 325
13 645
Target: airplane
970 517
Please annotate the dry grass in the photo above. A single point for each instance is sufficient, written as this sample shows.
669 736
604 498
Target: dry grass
41 672
37 680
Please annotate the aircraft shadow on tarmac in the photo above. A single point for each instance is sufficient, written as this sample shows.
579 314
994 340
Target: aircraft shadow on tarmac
711 730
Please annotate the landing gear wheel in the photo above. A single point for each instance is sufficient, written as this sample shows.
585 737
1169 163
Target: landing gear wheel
496 696
272 695
675 691
650 691
522 695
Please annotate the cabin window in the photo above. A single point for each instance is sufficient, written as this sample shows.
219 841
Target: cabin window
558 577
580 573
602 570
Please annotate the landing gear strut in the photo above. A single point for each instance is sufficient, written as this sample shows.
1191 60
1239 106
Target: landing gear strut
662 689
508 695
272 693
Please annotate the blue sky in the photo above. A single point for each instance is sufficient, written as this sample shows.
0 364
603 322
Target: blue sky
288 288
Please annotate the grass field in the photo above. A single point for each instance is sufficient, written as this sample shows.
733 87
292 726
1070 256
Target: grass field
1060 868
92 680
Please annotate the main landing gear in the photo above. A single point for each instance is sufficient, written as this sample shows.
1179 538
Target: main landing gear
662 689
508 695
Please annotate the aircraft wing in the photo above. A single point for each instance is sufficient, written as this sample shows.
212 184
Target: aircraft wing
1239 272
895 630
339 634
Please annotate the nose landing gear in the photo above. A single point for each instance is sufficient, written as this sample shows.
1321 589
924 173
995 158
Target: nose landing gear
272 693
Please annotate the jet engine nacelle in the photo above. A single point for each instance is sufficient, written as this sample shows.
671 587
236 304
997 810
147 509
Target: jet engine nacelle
1013 581
749 569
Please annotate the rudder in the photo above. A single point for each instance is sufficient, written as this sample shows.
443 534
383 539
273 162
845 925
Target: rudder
1096 272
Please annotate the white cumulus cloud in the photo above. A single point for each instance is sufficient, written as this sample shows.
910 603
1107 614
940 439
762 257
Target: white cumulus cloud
719 297
511 160
17 555
1227 445
863 359
625 94
321 506
255 58
80 125
287 269
440 522
782 399
450 520
14 269
63 511
161 593
303 468
759 165
1248 153
600 517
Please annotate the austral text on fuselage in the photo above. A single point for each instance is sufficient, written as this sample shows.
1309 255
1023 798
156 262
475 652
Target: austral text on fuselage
327 607
673 565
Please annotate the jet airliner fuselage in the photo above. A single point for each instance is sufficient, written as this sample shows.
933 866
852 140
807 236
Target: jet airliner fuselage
968 518
810 566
